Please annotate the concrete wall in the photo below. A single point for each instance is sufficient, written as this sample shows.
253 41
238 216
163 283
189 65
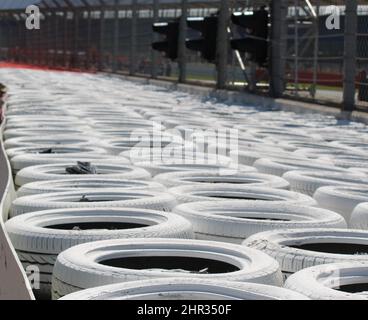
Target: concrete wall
14 284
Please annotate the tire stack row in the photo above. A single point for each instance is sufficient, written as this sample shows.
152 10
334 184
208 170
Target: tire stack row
128 191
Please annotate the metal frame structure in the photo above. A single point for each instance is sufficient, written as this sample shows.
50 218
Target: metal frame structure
92 34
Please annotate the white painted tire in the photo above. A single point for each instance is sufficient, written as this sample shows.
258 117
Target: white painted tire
155 168
185 289
57 150
341 199
308 182
207 192
179 178
234 221
57 172
278 167
27 160
32 141
359 217
50 186
14 133
39 237
97 263
331 281
109 198
299 249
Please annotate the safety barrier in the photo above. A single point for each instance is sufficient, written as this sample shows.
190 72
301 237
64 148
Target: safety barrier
14 284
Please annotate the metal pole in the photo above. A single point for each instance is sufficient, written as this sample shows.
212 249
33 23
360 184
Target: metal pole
222 47
89 26
350 51
101 45
154 55
65 49
56 40
296 47
278 48
76 38
116 38
316 49
182 63
133 39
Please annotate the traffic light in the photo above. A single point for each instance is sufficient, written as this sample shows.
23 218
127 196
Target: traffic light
255 41
206 44
170 45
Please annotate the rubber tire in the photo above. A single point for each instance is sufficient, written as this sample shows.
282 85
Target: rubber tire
34 141
50 186
359 217
62 150
185 289
127 199
27 160
341 199
75 268
278 167
194 192
38 245
318 282
307 182
278 244
231 221
47 172
179 178
158 168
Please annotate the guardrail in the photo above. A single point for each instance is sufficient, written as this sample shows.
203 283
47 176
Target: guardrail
14 284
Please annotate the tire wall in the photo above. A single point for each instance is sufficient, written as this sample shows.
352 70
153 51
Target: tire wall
14 284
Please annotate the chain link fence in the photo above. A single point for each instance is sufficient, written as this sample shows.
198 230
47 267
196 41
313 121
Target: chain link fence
116 36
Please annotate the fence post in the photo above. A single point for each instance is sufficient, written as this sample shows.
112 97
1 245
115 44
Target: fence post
154 55
351 23
278 48
65 37
181 45
89 26
116 38
101 43
222 44
133 39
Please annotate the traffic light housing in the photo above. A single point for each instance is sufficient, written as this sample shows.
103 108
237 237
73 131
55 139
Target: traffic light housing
206 44
170 45
255 42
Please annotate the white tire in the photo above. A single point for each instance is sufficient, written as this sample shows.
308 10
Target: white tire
57 172
49 186
56 150
299 249
278 167
308 182
157 168
109 198
341 199
39 237
359 217
14 133
27 160
114 261
207 192
234 221
173 179
27 141
335 281
185 289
